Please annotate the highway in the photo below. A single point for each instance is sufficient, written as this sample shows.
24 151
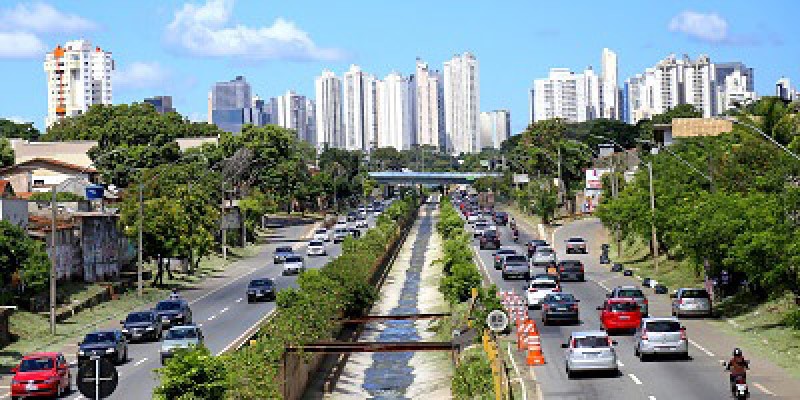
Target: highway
222 313
701 377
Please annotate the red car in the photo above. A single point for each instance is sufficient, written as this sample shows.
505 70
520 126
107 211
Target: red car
620 314
41 375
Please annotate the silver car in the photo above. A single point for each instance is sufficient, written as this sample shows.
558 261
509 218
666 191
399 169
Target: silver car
661 336
180 337
293 265
689 301
590 351
316 248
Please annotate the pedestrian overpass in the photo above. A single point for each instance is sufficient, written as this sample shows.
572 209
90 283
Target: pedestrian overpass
429 178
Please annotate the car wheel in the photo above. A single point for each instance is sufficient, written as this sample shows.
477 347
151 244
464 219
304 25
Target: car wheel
545 321
249 300
644 357
570 373
636 351
505 276
685 356
59 391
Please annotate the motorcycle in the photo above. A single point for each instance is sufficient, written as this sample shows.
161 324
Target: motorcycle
516 236
739 388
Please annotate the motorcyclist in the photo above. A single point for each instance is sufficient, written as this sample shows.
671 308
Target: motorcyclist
737 366
513 224
174 295
516 235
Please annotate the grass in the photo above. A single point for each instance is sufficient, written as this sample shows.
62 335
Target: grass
672 273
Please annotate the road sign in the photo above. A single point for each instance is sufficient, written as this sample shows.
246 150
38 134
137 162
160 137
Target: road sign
497 321
97 379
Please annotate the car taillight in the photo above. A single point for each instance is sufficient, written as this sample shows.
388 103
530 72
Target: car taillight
532 290
574 307
644 334
681 302
683 334
581 268
610 343
645 301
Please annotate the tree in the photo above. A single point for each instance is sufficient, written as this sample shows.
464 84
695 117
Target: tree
192 374
6 153
679 111
60 196
21 254
11 129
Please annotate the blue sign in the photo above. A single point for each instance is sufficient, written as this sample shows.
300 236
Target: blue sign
94 192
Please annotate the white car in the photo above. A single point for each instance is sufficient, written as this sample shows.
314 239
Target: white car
474 218
538 289
316 248
590 351
340 225
543 257
322 235
293 265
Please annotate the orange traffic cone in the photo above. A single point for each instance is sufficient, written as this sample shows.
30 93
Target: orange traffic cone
535 356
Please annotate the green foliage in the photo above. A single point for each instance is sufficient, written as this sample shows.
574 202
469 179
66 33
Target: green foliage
11 129
679 111
6 153
460 272
473 378
60 196
792 319
23 255
192 374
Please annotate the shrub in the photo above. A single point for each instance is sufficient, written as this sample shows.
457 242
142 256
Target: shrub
473 377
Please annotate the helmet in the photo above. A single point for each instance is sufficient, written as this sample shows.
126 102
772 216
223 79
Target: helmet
737 352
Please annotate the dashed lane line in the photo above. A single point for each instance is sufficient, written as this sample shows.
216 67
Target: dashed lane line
138 363
635 379
239 300
763 389
516 370
211 318
601 284
224 310
651 398
703 349
620 364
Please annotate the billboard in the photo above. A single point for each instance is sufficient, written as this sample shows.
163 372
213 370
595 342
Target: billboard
594 177
521 178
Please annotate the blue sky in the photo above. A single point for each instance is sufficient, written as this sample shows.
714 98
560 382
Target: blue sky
181 48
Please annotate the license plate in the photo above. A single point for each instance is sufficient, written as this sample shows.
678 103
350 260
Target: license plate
165 319
741 387
562 309
137 334
30 386
624 317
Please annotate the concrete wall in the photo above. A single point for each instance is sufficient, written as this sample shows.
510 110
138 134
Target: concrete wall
14 211
102 248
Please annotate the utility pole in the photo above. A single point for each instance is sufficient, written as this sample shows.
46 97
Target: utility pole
560 181
653 215
222 224
140 265
54 260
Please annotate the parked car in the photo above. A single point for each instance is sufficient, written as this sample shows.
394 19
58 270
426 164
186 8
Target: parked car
323 235
110 344
571 270
661 336
515 265
576 245
560 307
281 253
294 265
140 325
261 289
490 240
501 218
590 351
41 375
631 292
316 248
174 312
500 254
534 244
339 234
180 337
620 314
538 289
691 301
544 257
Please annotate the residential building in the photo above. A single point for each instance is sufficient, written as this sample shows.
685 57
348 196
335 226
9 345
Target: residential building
311 122
461 104
565 94
371 111
394 112
231 104
41 174
733 91
609 88
78 76
163 104
292 114
783 89
353 109
329 111
495 128
429 111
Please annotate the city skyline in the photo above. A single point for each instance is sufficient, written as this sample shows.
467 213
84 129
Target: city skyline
164 58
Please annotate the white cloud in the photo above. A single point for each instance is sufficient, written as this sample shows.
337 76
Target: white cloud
40 17
710 27
205 30
141 75
20 45
19 120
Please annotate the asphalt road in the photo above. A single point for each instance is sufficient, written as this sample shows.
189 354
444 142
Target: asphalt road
222 313
701 377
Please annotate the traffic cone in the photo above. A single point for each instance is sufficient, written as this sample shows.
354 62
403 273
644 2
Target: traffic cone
535 356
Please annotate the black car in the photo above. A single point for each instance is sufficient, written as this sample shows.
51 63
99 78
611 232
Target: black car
141 325
617 267
490 239
501 218
174 312
355 233
281 253
561 307
571 270
260 289
109 344
533 244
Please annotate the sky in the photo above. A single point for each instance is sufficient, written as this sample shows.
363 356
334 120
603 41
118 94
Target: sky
181 48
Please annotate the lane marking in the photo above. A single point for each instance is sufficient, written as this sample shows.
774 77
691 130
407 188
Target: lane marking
239 300
635 379
651 398
211 318
516 370
199 325
223 310
138 363
477 255
601 284
763 389
620 364
249 332
703 349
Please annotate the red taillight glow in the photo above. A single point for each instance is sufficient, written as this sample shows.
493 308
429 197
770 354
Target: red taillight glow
644 334
532 290
683 334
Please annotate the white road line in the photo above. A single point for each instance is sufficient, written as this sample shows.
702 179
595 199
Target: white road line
620 364
239 300
248 332
763 389
601 284
477 255
199 325
223 310
635 379
138 363
211 318
651 398
516 370
703 349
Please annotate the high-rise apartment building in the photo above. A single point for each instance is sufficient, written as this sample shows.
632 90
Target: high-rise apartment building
293 114
329 111
783 89
231 104
429 111
461 104
78 76
371 112
394 112
565 94
163 104
609 95
311 121
495 128
354 109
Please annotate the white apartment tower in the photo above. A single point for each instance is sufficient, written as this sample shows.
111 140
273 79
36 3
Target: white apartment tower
370 112
394 112
495 128
461 105
78 76
609 87
567 95
328 90
353 112
293 114
428 108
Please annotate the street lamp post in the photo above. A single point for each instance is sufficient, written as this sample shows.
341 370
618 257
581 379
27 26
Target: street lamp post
614 187
653 216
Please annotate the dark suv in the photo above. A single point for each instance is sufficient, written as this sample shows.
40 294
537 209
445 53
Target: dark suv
260 289
174 312
571 270
140 325
109 344
490 240
281 253
501 218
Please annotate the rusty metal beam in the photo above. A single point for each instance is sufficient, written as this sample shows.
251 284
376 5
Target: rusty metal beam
370 318
371 347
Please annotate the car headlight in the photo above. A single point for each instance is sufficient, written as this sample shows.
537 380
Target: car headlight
111 350
124 330
81 352
150 328
179 316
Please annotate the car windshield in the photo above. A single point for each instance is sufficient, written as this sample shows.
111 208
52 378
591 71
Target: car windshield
506 251
177 334
341 230
624 307
315 243
543 285
321 231
500 214
99 337
139 317
575 239
544 252
516 259
35 364
283 250
490 233
293 259
168 305
480 226
695 294
663 326
590 342
571 266
260 283
635 293
560 298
